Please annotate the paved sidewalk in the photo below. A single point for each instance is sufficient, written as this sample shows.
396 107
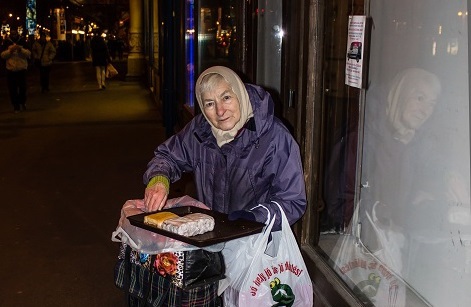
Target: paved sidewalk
67 165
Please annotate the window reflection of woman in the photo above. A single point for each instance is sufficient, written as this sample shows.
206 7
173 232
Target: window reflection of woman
395 153
396 159
411 101
400 157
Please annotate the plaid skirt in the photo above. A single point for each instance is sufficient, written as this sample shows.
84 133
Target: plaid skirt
145 285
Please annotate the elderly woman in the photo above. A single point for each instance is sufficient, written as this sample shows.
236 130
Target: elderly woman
241 156
240 153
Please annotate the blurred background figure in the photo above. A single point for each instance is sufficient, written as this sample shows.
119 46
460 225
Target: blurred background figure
100 58
112 47
16 55
43 53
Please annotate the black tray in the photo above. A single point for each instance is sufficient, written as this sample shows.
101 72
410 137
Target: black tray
224 230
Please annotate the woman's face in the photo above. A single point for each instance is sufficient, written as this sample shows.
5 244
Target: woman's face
221 106
418 105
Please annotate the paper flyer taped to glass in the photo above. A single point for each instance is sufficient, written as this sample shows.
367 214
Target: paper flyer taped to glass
355 51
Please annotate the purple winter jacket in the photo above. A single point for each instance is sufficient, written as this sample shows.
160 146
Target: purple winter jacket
261 165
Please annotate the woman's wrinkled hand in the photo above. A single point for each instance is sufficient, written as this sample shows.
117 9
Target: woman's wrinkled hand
155 197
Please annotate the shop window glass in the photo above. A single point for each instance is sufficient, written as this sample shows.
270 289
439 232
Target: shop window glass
341 128
269 42
405 237
216 33
190 52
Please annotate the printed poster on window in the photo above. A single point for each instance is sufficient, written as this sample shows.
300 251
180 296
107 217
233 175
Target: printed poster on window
355 50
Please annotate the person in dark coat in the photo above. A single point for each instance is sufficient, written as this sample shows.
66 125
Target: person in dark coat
44 53
241 155
100 59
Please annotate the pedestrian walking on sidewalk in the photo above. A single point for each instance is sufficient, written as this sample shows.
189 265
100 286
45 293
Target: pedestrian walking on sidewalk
100 58
16 55
43 54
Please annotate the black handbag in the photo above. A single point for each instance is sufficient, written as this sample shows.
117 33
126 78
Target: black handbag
200 267
170 279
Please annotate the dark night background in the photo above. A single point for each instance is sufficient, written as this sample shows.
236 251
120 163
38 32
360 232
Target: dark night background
106 13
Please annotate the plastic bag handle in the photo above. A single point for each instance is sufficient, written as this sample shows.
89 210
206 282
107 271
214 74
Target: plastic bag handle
268 215
373 220
284 219
262 241
287 234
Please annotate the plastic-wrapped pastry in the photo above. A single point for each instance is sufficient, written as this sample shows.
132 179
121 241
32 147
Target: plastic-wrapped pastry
205 222
181 225
188 225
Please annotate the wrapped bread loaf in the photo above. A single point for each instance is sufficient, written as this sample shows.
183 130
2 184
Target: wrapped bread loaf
188 225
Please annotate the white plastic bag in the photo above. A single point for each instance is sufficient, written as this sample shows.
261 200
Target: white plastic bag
238 255
266 280
372 275
111 71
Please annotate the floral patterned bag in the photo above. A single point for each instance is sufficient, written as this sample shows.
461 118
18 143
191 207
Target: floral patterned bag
182 278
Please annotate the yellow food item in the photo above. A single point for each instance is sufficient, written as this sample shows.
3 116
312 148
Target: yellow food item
157 219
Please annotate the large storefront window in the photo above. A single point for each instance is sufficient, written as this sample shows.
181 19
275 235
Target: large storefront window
216 33
190 51
215 23
217 38
269 42
341 128
407 240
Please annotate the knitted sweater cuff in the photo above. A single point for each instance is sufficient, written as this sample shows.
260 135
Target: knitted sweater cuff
159 179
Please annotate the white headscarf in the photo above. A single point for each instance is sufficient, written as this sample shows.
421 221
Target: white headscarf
238 87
